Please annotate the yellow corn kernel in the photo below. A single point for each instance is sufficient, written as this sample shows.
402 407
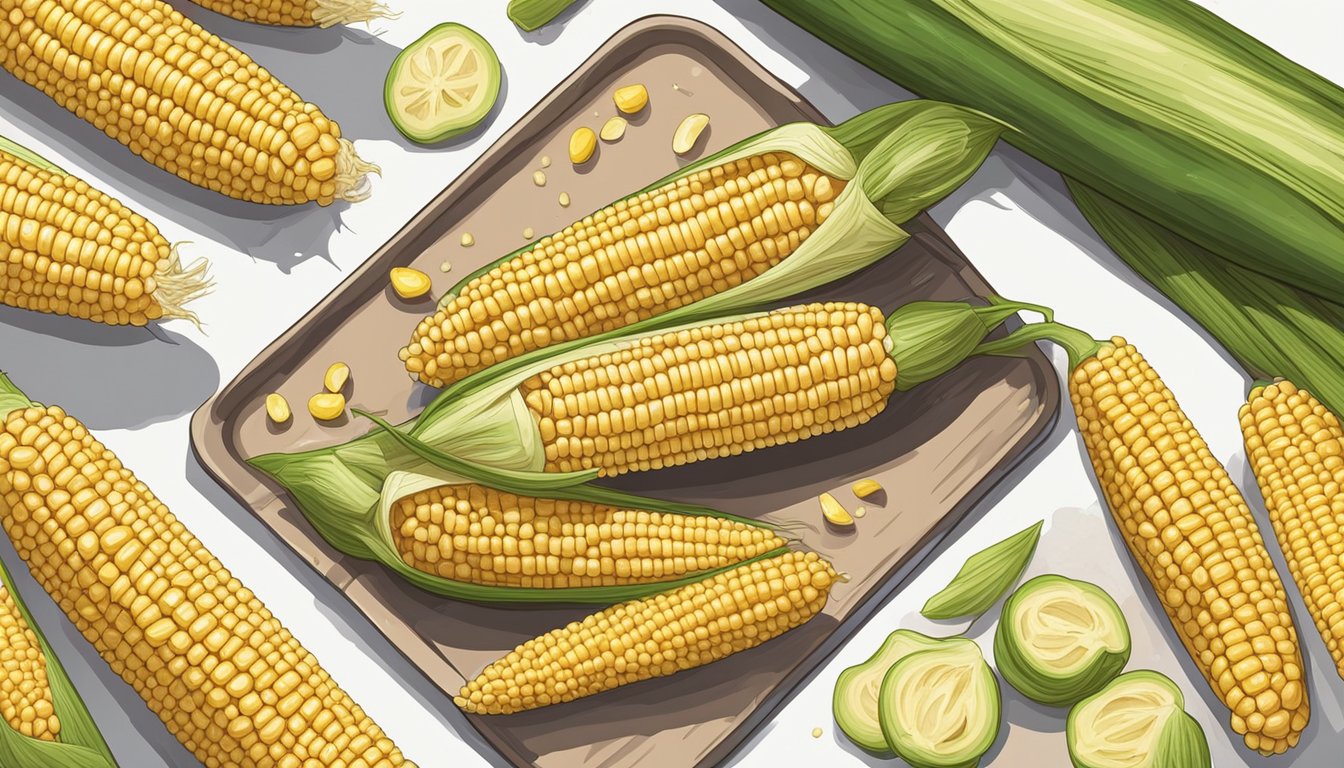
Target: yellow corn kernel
766 380
69 249
467 240
865 487
336 377
25 694
613 129
409 283
691 238
201 650
1191 533
835 512
181 98
1296 447
325 406
539 178
630 99
300 13
582 145
564 199
656 636
459 532
277 408
688 133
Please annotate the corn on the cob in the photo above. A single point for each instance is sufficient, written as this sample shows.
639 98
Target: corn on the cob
1296 447
715 390
478 534
656 636
69 249
202 651
299 13
25 695
690 238
181 98
1192 534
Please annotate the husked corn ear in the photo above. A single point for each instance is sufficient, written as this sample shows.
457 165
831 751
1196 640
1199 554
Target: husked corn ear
715 390
1296 447
688 239
69 249
181 98
1191 532
656 636
299 13
25 695
481 535
202 651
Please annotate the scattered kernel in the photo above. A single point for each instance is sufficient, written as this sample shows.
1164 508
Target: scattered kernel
336 377
446 266
326 406
631 99
834 512
539 178
467 240
582 145
689 132
277 407
409 283
816 733
564 199
860 512
865 487
528 233
614 129
545 161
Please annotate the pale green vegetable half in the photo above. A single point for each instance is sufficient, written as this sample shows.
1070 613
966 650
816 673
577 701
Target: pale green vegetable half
531 15
1138 721
443 84
940 708
985 577
1059 640
855 701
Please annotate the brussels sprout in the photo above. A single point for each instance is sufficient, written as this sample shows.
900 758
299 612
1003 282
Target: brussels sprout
1138 721
1060 640
940 708
855 701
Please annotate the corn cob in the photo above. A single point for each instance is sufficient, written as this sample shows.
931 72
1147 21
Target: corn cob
69 249
711 232
478 534
1296 447
655 636
202 651
1190 531
25 695
661 249
299 13
181 98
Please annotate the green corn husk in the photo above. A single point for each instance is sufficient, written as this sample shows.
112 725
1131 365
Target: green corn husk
531 15
899 159
1271 328
985 577
27 155
1156 104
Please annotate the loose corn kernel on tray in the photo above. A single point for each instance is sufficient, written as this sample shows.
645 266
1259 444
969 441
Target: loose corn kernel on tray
937 450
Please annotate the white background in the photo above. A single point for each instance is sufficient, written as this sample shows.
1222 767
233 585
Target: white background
137 389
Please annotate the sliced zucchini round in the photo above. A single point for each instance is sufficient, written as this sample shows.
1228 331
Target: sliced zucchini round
442 84
940 708
854 703
1138 721
1059 640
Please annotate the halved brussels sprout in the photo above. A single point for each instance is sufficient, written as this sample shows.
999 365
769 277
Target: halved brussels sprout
855 701
1138 721
940 708
1060 640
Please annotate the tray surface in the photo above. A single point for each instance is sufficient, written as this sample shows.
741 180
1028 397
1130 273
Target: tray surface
937 450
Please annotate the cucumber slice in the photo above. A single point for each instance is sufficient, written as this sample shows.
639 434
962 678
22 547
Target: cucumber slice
442 84
854 703
1138 721
1060 640
940 708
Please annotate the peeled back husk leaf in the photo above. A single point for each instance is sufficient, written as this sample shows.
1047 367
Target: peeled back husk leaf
940 708
1060 640
985 577
1138 721
855 700
27 155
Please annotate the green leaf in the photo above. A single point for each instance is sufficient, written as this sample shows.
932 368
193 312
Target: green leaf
985 577
27 155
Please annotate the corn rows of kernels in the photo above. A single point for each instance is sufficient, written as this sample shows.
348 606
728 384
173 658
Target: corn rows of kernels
69 249
655 636
478 534
1191 532
25 695
288 13
202 651
694 237
1296 447
715 390
174 94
